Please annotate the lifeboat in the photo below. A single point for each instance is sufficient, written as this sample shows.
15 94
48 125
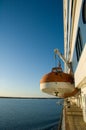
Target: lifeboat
58 83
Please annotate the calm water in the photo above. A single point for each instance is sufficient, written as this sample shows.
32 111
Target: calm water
29 114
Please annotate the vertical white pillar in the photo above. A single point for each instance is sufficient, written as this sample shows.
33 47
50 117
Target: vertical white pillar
84 106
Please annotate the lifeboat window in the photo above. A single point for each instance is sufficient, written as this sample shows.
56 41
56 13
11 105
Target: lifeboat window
78 45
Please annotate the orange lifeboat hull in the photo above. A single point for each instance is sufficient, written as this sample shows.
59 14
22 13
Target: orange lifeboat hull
57 83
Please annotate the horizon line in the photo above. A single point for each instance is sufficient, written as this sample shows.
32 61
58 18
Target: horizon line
29 97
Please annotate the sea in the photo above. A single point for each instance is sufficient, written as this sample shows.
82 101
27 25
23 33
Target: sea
30 114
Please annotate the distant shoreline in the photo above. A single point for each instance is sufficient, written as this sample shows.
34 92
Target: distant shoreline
28 97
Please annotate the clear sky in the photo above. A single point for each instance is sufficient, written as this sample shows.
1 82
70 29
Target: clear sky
29 32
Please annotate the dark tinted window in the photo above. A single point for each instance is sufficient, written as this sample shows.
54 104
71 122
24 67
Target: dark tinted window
78 45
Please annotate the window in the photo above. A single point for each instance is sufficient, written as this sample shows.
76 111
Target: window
78 45
71 8
84 12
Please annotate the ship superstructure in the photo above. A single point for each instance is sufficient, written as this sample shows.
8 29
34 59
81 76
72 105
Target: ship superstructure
74 12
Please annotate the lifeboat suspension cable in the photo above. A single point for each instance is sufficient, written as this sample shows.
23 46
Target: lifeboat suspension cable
69 64
57 59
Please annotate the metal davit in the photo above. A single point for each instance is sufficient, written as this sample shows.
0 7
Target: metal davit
58 83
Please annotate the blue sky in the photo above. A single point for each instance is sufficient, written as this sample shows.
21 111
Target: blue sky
29 32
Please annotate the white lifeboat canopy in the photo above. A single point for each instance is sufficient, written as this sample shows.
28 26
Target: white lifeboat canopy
58 83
